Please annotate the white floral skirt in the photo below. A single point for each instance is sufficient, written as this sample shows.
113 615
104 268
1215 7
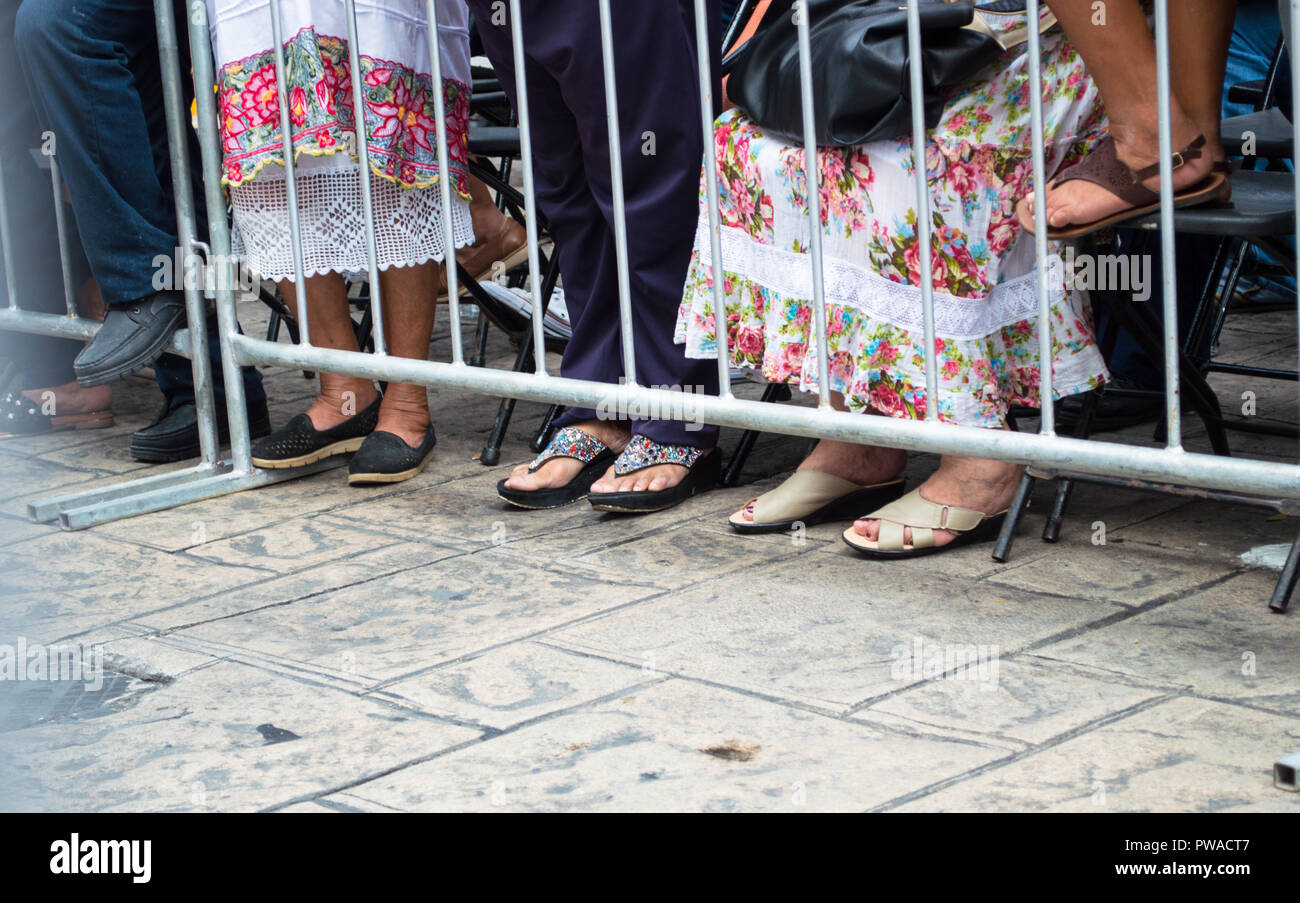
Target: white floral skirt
978 165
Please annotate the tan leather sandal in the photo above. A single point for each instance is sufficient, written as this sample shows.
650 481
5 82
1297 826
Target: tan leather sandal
923 517
810 497
1104 168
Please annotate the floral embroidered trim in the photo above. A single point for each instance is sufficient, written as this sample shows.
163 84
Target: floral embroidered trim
642 453
398 114
570 442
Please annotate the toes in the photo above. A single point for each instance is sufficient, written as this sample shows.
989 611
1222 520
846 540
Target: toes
868 529
607 483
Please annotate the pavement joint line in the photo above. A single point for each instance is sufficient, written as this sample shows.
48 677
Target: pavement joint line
290 668
235 589
706 682
1041 662
535 637
1035 749
925 730
389 703
1069 633
1134 611
1245 703
489 735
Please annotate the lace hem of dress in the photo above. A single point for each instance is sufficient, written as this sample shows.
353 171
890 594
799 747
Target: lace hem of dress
409 228
790 274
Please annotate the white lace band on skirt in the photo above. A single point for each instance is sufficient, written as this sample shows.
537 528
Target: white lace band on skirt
408 221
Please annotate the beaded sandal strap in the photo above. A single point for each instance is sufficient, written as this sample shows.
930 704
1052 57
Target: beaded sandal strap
570 442
642 453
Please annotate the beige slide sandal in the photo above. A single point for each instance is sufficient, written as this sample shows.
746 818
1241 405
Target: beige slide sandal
923 517
810 497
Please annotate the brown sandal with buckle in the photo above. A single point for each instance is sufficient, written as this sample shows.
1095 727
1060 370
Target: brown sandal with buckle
1103 167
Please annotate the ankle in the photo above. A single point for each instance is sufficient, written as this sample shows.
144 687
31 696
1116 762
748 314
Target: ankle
613 433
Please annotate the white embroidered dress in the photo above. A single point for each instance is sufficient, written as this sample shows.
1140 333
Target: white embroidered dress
398 109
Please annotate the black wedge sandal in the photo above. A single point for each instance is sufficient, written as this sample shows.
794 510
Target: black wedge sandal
569 442
298 443
704 466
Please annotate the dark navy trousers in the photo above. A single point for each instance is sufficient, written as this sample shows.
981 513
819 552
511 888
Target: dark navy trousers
663 146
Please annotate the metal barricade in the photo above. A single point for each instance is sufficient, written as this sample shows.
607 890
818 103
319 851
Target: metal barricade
1172 464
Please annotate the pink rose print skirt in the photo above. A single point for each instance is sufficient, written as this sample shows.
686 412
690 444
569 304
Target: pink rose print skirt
978 165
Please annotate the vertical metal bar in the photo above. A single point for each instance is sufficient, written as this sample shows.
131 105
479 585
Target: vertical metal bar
6 246
220 260
61 227
1173 407
530 193
813 184
290 174
923 231
444 182
195 307
1046 394
367 202
711 178
616 186
1294 29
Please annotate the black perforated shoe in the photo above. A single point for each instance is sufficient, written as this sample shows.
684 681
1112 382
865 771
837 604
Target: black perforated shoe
298 443
386 458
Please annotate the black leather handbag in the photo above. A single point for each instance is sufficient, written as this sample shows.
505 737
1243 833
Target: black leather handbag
860 70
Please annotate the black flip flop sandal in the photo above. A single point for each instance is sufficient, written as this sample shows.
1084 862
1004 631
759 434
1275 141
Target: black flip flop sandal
704 467
569 442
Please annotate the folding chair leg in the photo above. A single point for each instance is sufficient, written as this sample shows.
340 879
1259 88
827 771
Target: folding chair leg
731 476
491 453
1287 580
1002 550
543 437
479 358
1065 487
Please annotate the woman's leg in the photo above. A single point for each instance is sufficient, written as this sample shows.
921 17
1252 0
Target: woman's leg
330 324
410 303
1119 51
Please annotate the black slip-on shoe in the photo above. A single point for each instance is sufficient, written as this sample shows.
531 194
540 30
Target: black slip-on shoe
131 337
298 443
386 458
174 433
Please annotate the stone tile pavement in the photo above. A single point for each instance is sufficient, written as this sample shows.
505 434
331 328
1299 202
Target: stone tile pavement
313 647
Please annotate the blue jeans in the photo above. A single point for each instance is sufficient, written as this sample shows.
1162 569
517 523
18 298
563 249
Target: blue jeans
95 80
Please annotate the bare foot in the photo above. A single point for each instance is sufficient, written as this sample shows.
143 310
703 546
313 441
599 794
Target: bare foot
1078 202
73 398
559 472
341 398
974 483
861 464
